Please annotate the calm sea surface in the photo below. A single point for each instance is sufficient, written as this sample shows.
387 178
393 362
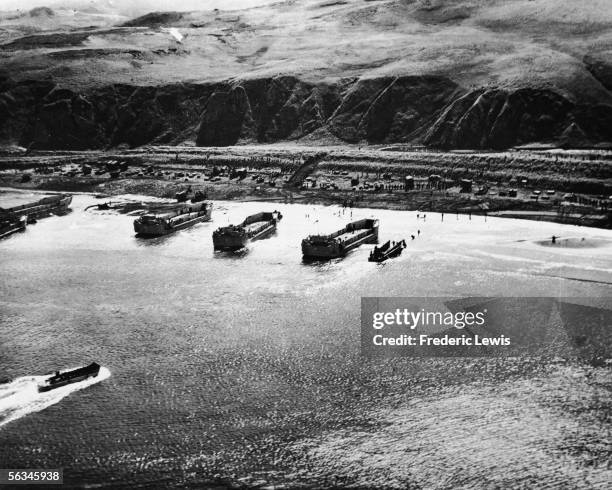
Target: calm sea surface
245 369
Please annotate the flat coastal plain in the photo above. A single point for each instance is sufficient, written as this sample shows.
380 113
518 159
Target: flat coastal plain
566 186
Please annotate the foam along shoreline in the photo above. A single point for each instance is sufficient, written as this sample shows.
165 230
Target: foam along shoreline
20 397
575 242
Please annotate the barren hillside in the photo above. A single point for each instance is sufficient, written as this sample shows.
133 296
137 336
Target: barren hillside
446 73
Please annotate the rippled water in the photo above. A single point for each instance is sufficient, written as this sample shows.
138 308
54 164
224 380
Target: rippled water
245 368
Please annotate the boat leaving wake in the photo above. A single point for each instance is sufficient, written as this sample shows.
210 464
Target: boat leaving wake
20 397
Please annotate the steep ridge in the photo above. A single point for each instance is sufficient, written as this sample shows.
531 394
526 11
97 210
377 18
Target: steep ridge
500 119
449 74
421 110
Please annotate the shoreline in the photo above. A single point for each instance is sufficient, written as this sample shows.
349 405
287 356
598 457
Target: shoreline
351 177
325 199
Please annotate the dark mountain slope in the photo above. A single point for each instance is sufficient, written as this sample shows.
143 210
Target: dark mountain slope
428 110
445 73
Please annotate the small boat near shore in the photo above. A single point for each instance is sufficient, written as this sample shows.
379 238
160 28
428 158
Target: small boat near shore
339 243
63 378
43 207
163 223
386 251
11 225
254 227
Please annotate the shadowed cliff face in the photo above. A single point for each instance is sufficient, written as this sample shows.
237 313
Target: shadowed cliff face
426 110
266 110
445 73
499 119
390 109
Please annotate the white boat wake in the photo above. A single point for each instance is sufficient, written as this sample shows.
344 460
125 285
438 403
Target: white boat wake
20 397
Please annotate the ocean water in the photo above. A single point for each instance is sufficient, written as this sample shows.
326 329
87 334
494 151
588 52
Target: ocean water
244 369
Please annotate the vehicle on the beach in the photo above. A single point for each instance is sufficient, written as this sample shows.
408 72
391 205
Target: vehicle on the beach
63 378
482 190
199 196
254 227
339 243
165 222
571 197
386 251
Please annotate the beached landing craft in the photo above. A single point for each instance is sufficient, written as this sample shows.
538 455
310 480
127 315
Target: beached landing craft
43 207
64 378
339 243
235 237
387 251
150 225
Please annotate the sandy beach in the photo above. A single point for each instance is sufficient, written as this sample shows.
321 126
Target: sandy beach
353 176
